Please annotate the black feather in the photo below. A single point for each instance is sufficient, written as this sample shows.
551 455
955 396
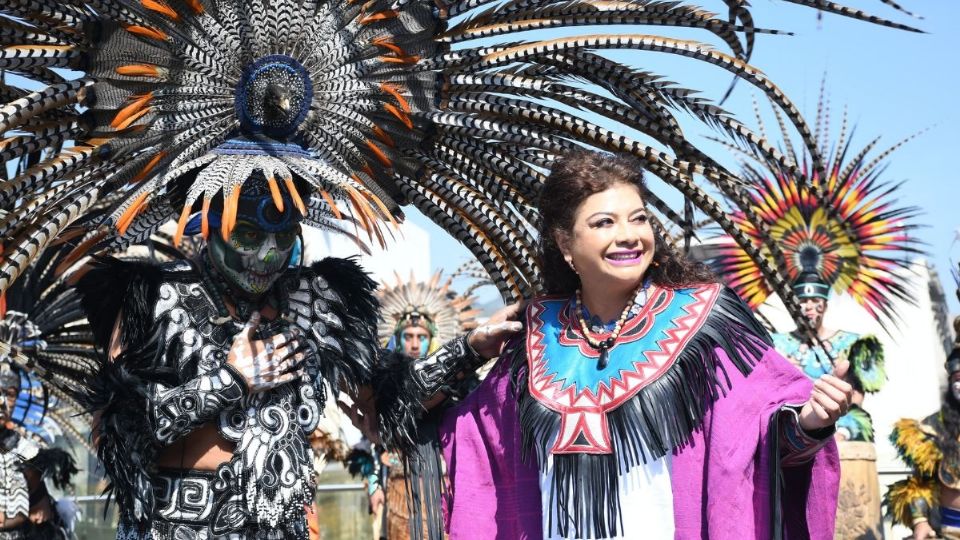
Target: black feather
56 465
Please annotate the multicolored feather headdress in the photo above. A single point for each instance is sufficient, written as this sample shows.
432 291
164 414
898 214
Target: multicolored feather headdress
374 105
433 304
842 230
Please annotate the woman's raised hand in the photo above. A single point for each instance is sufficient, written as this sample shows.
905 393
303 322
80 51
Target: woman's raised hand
488 339
829 400
265 363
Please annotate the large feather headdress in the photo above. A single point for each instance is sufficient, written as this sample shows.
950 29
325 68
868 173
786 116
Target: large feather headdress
373 105
434 301
844 228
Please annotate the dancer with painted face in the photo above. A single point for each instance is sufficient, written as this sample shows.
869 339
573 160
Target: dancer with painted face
27 510
214 380
928 501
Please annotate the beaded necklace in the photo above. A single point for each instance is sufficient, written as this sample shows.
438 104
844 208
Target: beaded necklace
604 345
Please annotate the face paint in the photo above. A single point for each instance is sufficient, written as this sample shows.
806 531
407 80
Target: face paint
252 259
813 309
414 341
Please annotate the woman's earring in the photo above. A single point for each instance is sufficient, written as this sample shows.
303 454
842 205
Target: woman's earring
572 267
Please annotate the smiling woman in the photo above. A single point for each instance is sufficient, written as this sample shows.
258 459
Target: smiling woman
641 384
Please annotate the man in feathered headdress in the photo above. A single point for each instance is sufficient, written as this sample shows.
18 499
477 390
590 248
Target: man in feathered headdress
416 318
864 352
27 511
929 500
833 233
214 380
858 506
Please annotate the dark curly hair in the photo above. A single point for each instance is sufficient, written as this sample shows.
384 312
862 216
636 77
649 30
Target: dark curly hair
573 178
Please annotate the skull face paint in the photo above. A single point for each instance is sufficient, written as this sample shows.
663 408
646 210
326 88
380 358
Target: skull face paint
252 259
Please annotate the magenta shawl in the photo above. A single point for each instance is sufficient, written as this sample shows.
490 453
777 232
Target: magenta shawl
720 481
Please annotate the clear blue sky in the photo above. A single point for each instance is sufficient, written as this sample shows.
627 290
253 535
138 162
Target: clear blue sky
893 84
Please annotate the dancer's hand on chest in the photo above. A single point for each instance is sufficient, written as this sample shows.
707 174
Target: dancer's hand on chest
266 363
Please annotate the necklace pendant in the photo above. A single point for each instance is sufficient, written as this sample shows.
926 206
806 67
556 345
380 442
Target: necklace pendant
604 358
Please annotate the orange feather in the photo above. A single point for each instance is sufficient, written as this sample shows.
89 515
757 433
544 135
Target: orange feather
392 90
275 193
378 153
399 114
333 204
204 220
297 201
182 224
145 171
138 70
161 8
147 32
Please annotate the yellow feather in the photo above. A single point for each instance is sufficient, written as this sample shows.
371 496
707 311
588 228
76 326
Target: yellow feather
917 445
901 494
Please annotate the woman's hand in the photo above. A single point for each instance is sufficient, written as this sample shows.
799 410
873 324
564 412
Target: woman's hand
488 339
265 363
829 400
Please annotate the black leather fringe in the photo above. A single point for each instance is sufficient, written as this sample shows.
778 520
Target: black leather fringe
425 483
398 402
661 418
776 480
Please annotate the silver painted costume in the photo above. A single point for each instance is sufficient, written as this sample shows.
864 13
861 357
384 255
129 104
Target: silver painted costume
180 367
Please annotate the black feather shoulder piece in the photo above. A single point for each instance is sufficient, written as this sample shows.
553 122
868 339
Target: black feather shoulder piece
55 464
335 301
118 390
113 287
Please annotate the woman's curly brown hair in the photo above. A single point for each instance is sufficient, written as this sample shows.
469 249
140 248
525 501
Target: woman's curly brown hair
573 178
